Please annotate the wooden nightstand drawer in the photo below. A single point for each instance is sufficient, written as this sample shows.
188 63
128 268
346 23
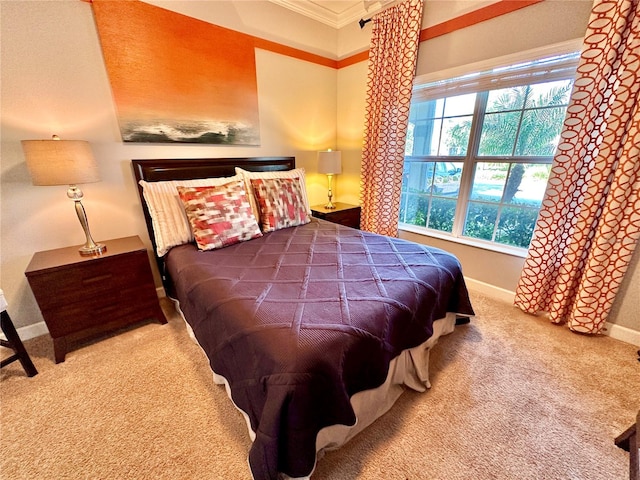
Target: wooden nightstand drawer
349 218
81 297
103 276
116 305
343 214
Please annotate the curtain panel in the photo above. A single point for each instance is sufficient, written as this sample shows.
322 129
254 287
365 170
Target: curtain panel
393 56
589 223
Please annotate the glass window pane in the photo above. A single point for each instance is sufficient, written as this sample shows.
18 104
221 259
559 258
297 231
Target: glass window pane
408 144
455 136
441 215
438 111
549 94
540 131
499 134
415 210
526 184
516 226
506 99
481 220
418 177
460 105
403 206
426 110
426 135
489 181
446 179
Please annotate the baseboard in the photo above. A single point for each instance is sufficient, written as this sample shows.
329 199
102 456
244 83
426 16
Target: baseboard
618 332
489 290
623 334
30 331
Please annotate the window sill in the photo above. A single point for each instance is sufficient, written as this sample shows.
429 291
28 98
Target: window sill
472 242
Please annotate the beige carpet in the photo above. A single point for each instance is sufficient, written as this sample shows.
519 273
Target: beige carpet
513 397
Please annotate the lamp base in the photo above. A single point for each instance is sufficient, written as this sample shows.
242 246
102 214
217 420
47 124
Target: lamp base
329 205
90 247
96 249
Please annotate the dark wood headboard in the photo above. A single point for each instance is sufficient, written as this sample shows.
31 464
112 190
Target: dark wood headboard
193 168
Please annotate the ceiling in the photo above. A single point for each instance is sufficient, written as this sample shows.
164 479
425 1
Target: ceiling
335 13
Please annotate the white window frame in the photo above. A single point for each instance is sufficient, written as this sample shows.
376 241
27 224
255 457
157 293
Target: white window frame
478 77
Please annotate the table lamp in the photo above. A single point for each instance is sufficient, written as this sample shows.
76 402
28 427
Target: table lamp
65 162
330 163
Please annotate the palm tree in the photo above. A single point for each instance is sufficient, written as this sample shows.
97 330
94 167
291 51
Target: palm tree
540 123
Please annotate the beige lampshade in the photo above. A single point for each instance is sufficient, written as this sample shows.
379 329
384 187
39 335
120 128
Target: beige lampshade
60 162
330 162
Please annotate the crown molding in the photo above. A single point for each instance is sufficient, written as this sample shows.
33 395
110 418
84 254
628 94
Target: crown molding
312 10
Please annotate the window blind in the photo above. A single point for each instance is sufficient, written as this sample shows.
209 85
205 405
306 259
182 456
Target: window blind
557 67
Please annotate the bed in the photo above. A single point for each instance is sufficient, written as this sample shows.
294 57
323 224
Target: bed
314 328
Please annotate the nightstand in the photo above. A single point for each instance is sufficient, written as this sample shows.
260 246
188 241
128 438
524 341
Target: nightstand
344 214
83 297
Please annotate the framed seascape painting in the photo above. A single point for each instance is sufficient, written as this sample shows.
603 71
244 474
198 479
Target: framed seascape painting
177 79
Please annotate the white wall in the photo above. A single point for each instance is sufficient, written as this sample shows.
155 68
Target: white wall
545 23
626 307
54 82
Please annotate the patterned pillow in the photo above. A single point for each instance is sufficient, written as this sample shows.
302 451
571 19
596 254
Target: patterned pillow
219 216
280 202
295 173
170 224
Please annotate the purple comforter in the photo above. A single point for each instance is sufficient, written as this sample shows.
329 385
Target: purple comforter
300 319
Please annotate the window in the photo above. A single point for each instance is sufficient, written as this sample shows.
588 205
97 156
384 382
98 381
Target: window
479 151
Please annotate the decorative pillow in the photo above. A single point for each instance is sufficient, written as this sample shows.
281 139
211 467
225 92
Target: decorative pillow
280 202
219 216
168 218
295 173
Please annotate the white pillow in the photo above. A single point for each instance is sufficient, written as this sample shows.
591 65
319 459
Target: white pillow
295 173
170 223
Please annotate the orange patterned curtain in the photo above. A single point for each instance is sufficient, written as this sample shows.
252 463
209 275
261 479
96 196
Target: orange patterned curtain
589 222
392 63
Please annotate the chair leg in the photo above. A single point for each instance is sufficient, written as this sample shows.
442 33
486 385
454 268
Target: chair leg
628 440
14 342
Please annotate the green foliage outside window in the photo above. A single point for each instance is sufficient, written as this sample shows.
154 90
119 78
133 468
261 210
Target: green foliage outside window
415 211
442 214
515 226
